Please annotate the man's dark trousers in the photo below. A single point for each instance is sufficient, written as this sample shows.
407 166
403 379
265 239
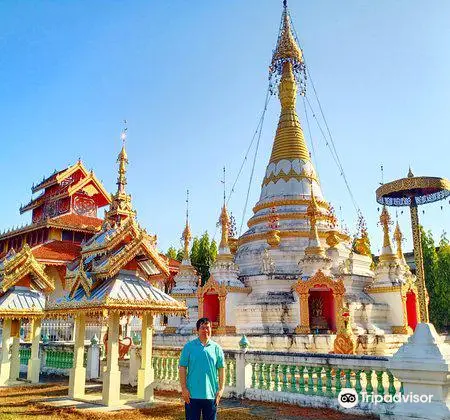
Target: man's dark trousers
196 407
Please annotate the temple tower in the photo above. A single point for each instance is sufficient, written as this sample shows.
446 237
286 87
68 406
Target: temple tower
279 230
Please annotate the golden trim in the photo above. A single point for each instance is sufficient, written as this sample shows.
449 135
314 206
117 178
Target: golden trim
384 289
409 183
401 329
292 174
298 202
283 216
284 234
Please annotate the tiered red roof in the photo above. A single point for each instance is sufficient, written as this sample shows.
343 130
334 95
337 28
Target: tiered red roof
57 251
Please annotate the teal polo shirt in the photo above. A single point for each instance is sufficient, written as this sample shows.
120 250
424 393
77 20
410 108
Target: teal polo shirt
202 362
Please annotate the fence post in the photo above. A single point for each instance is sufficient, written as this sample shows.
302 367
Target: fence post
423 366
243 374
93 359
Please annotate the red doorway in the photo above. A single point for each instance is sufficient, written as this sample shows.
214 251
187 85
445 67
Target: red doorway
321 306
411 309
211 307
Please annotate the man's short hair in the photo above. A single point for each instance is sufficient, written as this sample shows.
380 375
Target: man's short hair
202 321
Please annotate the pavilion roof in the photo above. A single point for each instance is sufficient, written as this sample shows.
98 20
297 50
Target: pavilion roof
17 266
126 293
21 302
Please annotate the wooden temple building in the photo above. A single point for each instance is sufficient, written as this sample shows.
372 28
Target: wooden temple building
69 263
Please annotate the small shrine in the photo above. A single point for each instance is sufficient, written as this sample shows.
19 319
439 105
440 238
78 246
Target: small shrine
112 279
218 297
23 284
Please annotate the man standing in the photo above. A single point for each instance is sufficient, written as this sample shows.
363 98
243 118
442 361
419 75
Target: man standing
202 374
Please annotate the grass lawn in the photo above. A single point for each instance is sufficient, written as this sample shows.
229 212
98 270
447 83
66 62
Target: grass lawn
28 402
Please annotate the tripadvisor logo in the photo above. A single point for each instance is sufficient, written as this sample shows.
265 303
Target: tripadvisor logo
348 398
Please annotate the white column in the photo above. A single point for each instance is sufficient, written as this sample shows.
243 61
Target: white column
34 364
243 374
146 373
15 356
7 340
111 377
77 376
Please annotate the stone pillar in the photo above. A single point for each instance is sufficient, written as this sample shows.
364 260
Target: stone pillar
77 375
146 373
7 340
422 364
243 374
111 377
34 363
93 359
15 350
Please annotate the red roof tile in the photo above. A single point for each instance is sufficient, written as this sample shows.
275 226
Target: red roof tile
57 250
76 220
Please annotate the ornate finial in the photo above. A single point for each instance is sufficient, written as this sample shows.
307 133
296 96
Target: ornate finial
313 212
225 223
398 238
385 221
121 207
285 4
287 50
361 243
187 236
410 173
122 159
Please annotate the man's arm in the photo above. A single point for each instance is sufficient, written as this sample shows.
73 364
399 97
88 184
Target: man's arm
184 390
221 373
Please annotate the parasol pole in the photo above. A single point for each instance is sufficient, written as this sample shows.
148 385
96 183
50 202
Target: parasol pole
418 258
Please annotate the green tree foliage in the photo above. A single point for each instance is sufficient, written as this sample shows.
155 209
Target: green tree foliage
437 278
203 254
174 254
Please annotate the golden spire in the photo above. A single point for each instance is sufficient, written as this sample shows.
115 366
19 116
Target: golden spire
313 212
287 47
385 221
122 160
224 217
287 62
398 237
187 236
121 207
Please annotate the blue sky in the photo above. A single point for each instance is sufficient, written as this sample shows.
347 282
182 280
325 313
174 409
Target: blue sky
191 76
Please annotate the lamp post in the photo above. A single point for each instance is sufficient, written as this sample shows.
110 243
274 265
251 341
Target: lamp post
413 191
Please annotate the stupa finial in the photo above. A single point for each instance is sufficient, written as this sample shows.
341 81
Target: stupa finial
121 207
398 237
122 160
187 236
385 221
287 71
313 212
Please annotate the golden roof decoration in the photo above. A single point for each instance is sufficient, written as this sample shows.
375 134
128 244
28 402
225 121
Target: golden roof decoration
121 207
16 265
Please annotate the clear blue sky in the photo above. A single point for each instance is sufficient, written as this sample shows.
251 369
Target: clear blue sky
190 77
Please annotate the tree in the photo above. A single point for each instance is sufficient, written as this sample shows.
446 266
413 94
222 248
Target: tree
437 278
203 254
174 254
443 284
